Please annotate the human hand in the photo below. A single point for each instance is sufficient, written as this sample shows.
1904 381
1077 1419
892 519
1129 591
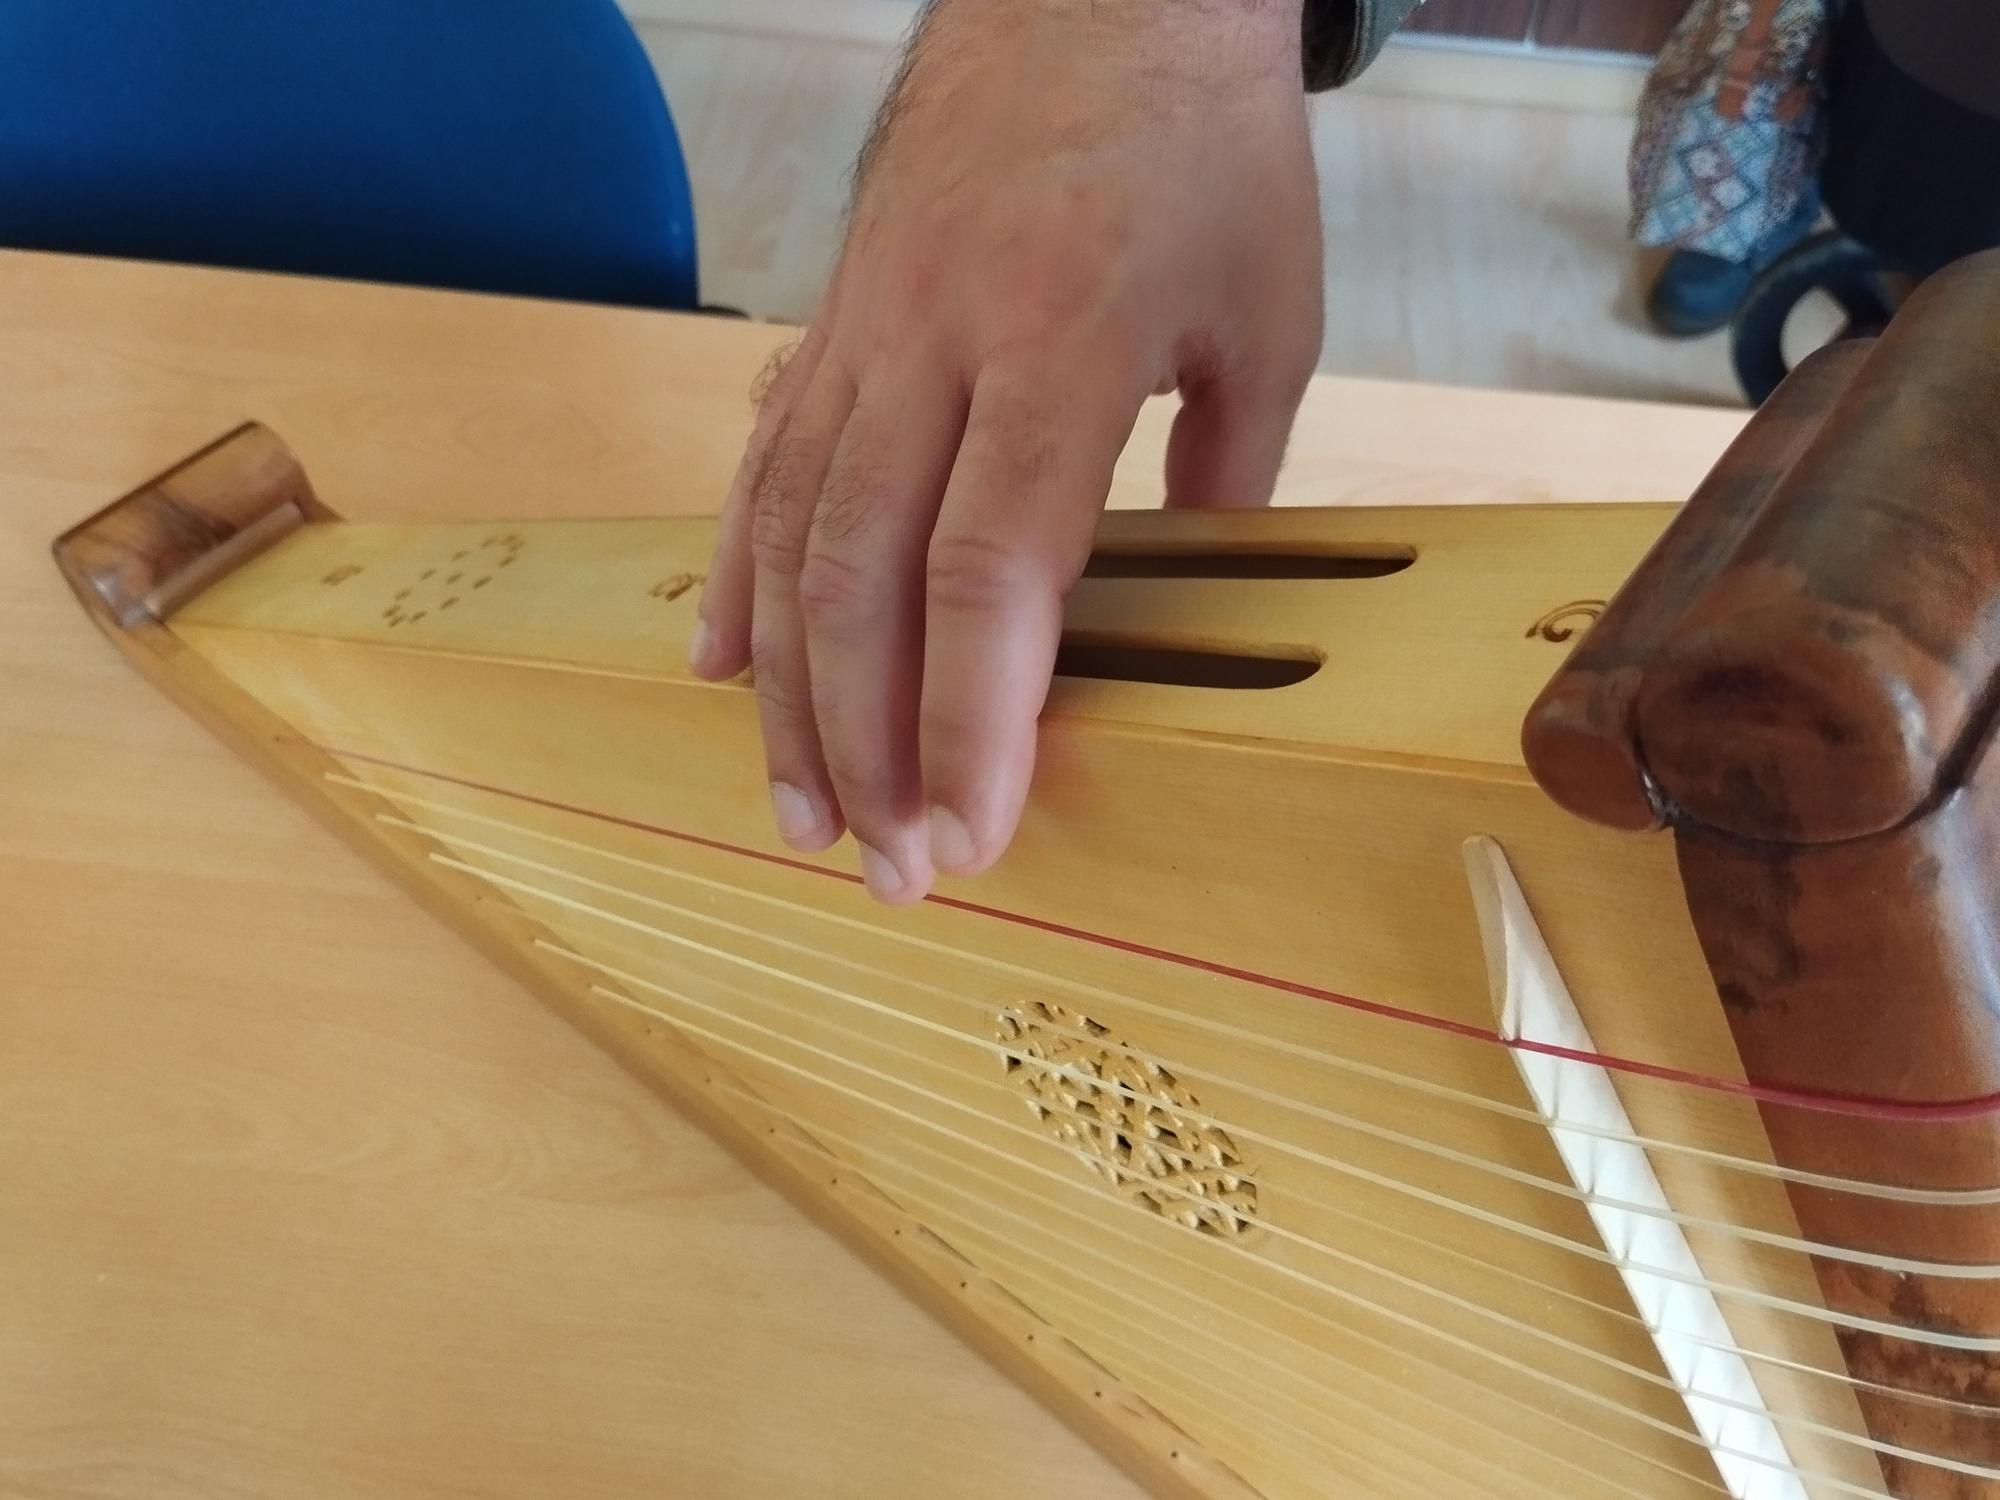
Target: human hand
1066 206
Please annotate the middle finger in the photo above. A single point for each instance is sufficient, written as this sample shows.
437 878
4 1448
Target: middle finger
782 497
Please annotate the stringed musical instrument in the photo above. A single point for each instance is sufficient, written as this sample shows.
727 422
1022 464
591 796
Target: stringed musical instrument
1337 1090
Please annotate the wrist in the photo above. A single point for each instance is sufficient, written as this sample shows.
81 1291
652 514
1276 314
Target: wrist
1276 25
1268 27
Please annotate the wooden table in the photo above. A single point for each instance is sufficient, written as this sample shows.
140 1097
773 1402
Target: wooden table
296 1195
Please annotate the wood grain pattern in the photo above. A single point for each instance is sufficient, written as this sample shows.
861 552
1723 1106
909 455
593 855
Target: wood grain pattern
1581 736
537 711
1813 722
147 554
290 1174
304 1199
148 535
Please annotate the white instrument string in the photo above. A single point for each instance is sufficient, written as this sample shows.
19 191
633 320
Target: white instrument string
1791 1243
1289 1309
1186 1254
1374 1227
1005 1253
1557 1340
1156 1311
1149 1359
1191 1257
1335 1458
1077 1184
1532 1231
1948 1196
1329 1288
1419 1447
1943 1197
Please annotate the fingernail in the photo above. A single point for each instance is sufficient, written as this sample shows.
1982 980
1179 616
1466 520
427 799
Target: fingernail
951 841
701 646
797 818
885 882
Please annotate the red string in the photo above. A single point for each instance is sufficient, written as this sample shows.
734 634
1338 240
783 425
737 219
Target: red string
1865 1106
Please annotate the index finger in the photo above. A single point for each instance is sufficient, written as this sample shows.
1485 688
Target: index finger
721 645
1012 537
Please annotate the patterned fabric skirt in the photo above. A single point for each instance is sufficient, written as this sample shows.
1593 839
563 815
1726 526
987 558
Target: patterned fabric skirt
1730 131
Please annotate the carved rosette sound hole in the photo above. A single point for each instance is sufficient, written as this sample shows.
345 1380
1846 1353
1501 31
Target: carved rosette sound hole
447 583
1136 1133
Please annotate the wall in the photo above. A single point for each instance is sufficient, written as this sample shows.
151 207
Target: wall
1474 203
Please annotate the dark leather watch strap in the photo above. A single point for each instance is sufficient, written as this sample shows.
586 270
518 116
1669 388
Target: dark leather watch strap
1329 42
1343 36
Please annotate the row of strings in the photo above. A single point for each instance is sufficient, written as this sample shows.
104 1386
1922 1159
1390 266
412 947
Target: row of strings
1320 1159
845 1064
696 1018
1965 1198
1360 1126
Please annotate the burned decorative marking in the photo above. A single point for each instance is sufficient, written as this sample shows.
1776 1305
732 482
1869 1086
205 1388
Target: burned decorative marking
672 588
1565 620
485 559
340 574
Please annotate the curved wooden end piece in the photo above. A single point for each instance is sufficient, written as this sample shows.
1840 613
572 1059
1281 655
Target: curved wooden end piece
1800 681
139 558
1581 738
1807 654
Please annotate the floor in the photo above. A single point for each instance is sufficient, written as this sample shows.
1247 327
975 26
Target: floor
1472 241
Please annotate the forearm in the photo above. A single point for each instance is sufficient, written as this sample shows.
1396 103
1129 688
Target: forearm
1341 37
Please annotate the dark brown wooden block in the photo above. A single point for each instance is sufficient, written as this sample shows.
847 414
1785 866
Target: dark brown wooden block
1800 681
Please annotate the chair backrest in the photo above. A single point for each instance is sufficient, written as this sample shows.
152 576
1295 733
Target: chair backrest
515 146
1913 132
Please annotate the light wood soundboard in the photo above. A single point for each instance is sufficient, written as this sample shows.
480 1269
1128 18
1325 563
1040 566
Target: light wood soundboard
274 1195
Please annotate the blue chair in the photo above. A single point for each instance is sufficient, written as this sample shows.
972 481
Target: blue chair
515 146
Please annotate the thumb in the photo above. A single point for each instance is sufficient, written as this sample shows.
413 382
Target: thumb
1228 443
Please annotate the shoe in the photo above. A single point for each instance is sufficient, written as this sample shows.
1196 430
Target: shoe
1698 293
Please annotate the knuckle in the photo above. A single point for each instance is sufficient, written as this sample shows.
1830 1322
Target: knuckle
776 538
784 698
769 387
976 574
845 506
950 730
774 548
1067 263
1023 453
833 589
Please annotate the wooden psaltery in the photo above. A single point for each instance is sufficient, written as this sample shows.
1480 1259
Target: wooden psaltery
1312 1102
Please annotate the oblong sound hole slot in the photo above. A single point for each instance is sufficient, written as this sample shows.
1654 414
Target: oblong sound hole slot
1178 666
1165 563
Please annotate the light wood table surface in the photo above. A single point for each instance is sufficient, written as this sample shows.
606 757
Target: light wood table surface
298 1197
